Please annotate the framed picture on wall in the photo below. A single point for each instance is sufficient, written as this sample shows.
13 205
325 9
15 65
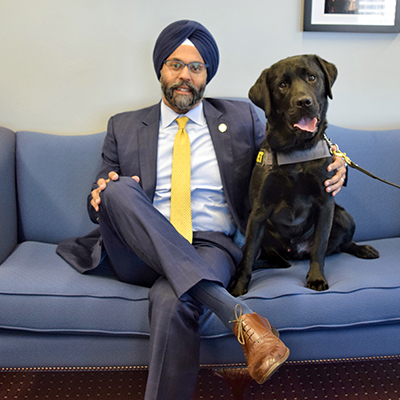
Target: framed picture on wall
380 16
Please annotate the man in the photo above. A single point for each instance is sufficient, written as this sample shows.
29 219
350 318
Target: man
186 264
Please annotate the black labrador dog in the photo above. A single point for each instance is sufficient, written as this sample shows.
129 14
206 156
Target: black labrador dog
293 217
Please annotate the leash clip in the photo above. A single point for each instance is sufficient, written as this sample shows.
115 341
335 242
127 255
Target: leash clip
337 152
343 155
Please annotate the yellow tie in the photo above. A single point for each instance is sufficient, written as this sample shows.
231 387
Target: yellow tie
181 211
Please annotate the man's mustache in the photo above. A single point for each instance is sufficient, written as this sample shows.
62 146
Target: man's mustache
187 85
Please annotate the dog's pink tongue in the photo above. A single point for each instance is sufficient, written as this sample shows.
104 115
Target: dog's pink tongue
307 124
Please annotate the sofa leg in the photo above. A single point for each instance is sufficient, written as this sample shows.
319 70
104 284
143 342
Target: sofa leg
237 378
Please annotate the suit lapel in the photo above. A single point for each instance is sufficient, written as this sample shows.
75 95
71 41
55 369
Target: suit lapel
219 128
147 138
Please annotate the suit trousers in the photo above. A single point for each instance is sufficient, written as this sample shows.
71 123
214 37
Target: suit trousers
145 249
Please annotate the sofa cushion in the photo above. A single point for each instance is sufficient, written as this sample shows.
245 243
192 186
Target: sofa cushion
54 177
374 205
44 182
361 292
47 295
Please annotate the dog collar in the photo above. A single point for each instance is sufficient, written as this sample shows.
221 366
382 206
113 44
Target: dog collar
320 150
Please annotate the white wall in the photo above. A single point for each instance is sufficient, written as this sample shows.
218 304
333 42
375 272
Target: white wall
67 66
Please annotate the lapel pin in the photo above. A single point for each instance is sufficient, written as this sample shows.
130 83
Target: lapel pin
222 128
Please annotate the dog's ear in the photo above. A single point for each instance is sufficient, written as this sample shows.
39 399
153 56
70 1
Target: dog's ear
259 93
330 72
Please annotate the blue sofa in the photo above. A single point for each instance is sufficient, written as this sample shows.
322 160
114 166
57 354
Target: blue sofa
53 317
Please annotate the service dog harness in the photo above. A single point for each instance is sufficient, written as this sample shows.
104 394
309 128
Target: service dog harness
266 157
321 150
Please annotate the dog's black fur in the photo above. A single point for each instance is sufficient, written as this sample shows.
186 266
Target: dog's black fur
293 217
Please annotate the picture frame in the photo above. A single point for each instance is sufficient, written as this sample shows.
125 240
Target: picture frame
368 16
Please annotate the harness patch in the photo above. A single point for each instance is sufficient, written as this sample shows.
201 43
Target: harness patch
260 157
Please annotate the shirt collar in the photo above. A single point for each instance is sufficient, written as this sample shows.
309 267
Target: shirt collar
168 116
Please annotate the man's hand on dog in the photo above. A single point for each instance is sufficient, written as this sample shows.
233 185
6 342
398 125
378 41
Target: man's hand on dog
102 184
334 185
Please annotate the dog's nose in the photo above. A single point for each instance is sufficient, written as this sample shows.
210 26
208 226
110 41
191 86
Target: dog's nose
304 102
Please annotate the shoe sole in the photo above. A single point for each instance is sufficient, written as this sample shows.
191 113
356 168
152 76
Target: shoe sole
274 368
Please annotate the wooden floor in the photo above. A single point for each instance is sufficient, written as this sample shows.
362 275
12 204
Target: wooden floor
369 379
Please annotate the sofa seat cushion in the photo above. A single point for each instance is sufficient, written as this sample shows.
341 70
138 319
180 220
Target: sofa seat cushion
361 293
47 295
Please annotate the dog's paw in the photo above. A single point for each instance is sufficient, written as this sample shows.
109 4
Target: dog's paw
362 251
319 284
368 252
238 287
238 291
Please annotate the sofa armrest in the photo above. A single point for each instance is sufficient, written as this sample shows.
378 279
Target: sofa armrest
8 200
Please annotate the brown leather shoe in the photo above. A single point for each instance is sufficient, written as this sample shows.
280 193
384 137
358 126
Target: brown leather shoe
264 351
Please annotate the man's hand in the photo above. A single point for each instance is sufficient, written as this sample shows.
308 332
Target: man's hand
334 185
101 185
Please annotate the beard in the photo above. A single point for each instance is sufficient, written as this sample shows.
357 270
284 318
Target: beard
182 103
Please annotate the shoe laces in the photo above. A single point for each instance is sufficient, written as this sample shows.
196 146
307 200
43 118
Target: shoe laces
239 320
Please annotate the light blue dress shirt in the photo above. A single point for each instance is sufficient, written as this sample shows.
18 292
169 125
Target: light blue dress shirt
209 208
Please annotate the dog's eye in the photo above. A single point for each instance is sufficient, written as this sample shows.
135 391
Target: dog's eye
282 85
312 78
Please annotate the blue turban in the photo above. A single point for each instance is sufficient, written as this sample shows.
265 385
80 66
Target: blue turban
175 34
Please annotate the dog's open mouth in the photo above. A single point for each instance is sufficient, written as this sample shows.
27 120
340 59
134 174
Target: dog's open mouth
307 124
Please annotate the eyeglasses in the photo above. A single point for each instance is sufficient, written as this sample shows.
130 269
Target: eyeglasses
195 68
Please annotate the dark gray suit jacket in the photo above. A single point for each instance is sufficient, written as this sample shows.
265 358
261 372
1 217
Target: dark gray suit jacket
130 148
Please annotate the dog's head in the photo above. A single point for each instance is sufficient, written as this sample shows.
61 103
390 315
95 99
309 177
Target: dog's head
294 95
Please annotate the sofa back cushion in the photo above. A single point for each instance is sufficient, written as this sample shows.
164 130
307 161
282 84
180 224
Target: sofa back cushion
8 206
374 205
54 178
55 174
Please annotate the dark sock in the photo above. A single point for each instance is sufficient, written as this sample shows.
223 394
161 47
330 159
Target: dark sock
219 301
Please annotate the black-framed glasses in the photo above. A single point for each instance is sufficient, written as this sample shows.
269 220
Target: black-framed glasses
196 68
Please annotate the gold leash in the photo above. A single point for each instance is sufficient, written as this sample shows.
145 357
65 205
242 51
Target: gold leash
352 164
